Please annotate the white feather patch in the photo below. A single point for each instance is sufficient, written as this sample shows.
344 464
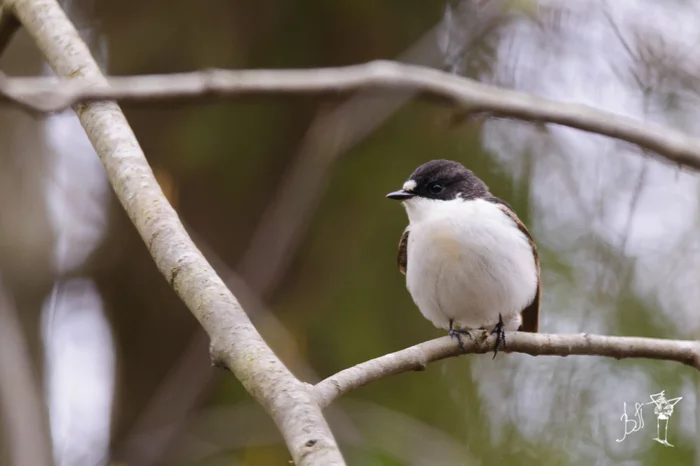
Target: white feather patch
468 261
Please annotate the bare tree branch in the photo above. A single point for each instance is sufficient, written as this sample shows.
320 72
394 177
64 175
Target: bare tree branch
235 342
535 344
473 97
22 406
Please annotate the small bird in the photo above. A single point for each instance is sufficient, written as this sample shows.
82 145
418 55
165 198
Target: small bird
469 261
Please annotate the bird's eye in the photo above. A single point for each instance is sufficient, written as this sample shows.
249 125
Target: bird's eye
435 188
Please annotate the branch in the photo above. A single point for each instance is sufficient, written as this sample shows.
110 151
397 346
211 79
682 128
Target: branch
535 344
235 342
188 380
44 95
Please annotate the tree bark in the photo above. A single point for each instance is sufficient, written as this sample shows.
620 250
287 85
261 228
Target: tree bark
235 342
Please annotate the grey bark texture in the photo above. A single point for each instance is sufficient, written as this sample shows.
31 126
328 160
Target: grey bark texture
468 96
417 357
235 342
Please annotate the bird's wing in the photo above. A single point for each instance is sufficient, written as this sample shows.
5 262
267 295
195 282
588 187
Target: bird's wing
402 256
531 314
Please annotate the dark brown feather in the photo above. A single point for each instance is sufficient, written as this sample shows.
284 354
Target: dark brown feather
402 257
531 314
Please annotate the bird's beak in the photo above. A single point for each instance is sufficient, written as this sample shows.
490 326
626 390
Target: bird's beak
400 195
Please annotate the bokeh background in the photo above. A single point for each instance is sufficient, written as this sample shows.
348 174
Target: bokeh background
102 364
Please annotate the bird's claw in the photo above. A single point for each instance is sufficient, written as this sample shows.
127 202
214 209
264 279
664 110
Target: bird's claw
500 333
457 333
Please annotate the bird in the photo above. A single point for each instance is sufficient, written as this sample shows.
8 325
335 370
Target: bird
469 262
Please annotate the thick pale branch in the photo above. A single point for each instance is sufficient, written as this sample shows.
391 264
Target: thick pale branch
535 344
234 340
40 94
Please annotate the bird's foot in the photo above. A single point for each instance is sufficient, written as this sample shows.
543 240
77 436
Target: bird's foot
457 333
500 333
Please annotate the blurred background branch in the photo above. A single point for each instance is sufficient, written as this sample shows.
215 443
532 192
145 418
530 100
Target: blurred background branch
161 423
8 25
22 407
333 133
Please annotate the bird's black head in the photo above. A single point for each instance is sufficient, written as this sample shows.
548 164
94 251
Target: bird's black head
442 180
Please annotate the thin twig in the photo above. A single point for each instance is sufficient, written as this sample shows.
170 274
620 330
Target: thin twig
535 344
42 95
235 342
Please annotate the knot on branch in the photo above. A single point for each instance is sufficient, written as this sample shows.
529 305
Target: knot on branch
216 356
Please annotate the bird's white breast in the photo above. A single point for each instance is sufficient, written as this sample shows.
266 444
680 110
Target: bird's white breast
468 261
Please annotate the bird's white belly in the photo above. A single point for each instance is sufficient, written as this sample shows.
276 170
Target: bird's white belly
469 263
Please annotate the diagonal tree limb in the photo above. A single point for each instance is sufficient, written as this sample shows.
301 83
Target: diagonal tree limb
161 422
235 342
535 344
